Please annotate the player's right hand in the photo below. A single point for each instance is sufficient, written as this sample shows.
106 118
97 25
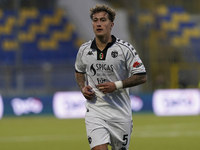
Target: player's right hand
87 92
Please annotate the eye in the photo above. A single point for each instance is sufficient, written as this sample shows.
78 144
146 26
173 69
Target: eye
94 20
103 19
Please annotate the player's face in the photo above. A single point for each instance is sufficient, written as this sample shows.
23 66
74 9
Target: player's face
101 24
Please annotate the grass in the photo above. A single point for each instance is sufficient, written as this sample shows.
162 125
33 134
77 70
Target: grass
48 133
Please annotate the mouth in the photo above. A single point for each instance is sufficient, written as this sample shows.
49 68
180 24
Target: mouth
99 30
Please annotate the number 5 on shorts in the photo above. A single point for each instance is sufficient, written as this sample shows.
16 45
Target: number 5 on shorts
125 138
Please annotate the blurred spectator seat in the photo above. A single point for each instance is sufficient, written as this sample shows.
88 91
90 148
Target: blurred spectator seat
176 26
39 35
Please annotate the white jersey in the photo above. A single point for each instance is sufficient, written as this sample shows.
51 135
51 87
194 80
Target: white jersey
118 61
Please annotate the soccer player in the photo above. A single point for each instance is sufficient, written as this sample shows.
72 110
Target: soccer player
105 68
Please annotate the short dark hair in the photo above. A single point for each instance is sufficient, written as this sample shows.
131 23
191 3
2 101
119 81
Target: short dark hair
99 8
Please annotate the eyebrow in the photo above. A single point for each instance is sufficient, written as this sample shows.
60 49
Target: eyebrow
99 18
104 16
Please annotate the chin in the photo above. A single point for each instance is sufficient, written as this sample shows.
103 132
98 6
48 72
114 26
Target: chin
100 35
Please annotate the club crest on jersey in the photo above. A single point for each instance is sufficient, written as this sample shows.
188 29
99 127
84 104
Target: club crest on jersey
101 55
137 64
114 54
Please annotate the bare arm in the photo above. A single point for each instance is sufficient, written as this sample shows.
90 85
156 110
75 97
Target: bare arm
134 80
80 79
85 89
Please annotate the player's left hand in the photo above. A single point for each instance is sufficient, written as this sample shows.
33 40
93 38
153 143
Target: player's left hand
107 87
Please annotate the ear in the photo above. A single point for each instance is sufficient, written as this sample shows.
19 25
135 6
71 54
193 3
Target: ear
112 24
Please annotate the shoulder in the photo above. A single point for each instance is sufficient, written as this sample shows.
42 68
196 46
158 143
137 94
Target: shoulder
125 46
85 45
83 49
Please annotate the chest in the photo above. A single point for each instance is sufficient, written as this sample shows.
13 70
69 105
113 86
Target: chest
110 56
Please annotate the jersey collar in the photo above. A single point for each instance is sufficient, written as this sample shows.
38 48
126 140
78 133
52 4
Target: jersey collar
94 46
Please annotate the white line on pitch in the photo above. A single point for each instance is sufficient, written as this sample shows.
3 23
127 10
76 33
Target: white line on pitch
151 134
138 134
38 138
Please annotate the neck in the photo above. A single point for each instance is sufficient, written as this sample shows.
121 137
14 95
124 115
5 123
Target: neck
101 42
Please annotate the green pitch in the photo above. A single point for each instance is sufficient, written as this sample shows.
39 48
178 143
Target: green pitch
48 133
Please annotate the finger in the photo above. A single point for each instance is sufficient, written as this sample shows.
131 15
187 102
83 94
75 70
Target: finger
88 97
102 84
89 94
101 88
87 90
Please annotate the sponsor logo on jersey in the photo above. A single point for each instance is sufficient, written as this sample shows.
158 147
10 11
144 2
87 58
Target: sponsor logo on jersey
114 54
101 67
93 70
90 53
101 56
137 64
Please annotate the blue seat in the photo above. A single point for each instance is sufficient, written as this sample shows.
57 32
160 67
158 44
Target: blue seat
32 53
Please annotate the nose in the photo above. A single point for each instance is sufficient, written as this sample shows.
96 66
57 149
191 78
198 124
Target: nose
98 23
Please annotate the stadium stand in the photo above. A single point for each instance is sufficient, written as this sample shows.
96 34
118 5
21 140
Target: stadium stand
177 26
37 52
173 39
39 46
181 30
41 35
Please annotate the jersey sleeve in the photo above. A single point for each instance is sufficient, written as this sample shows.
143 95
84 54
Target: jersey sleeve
134 63
79 65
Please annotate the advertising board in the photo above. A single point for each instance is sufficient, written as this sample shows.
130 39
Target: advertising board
69 105
26 106
63 105
1 107
72 104
176 102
